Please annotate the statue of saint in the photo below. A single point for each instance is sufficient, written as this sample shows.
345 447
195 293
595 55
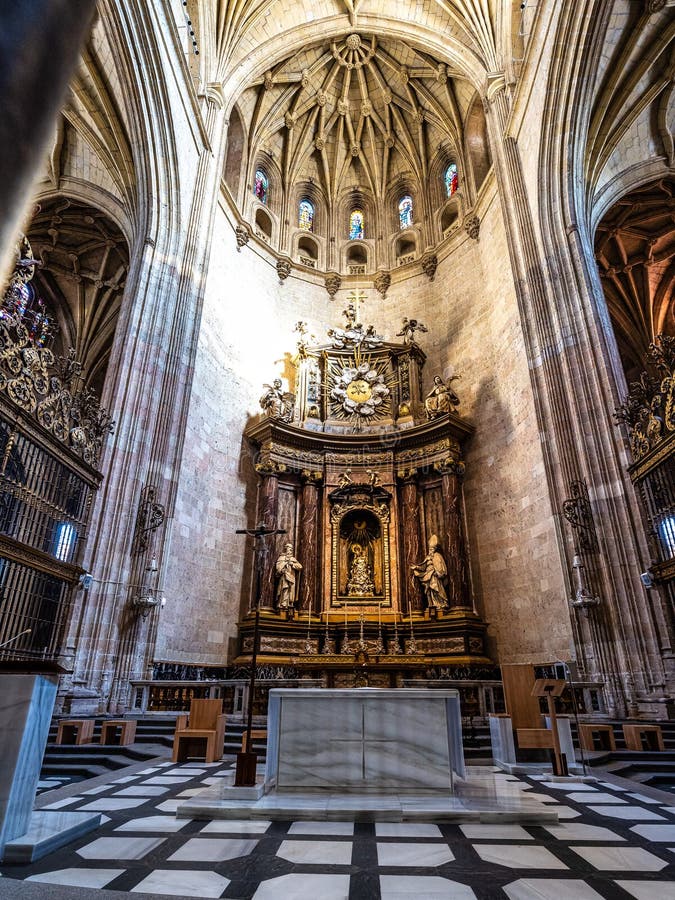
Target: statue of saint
286 567
431 573
277 403
441 397
360 582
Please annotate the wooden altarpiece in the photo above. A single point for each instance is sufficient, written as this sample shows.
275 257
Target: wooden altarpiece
363 472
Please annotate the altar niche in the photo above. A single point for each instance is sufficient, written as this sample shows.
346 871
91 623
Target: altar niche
360 558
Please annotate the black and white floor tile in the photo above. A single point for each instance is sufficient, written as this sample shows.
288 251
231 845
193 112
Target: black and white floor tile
610 843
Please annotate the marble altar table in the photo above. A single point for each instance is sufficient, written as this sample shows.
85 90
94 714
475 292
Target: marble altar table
365 740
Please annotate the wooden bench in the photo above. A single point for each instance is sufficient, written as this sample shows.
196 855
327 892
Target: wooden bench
118 731
256 733
643 737
596 737
75 731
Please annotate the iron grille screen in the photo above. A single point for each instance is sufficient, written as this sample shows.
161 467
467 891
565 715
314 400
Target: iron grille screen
658 491
31 600
43 503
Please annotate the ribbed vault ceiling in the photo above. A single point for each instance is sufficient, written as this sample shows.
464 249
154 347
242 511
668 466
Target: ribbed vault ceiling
635 251
358 111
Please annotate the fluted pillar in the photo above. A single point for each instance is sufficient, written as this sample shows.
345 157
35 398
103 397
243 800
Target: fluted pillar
410 540
308 551
268 509
459 584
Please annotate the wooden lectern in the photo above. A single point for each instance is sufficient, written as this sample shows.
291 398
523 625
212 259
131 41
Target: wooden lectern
552 688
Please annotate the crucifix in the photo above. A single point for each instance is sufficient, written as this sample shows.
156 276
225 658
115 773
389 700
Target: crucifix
247 760
355 298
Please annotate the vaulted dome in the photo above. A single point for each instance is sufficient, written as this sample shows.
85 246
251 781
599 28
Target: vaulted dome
357 123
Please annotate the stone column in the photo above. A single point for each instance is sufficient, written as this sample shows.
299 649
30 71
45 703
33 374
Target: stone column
308 551
268 509
411 596
459 583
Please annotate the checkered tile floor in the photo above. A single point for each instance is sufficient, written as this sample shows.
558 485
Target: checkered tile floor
610 843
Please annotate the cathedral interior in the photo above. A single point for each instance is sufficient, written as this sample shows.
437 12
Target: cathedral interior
338 339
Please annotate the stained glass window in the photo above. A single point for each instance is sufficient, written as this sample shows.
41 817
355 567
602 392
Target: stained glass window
306 216
261 186
405 211
451 180
356 225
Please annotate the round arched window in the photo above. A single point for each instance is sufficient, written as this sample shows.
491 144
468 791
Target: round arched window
356 225
451 180
405 212
306 215
261 186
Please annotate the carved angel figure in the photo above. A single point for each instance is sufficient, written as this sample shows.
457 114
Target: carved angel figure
277 403
408 329
345 478
441 397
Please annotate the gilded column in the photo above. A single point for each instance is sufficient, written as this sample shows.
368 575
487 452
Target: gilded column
410 540
459 584
308 550
268 509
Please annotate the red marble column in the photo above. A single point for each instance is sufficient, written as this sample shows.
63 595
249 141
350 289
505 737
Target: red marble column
268 509
410 541
459 585
308 549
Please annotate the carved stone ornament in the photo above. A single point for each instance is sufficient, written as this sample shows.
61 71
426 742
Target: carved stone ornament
654 6
429 265
382 282
242 235
332 282
283 269
472 226
649 408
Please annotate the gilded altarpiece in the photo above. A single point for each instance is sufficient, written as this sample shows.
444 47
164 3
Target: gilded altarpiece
363 470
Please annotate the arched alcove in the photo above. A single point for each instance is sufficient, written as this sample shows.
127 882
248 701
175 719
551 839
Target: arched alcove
476 137
405 248
308 251
263 224
450 216
235 153
357 258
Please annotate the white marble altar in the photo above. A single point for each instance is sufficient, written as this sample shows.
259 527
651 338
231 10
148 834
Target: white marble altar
26 704
365 740
26 707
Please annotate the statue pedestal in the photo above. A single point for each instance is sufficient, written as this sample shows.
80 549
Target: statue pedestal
364 740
